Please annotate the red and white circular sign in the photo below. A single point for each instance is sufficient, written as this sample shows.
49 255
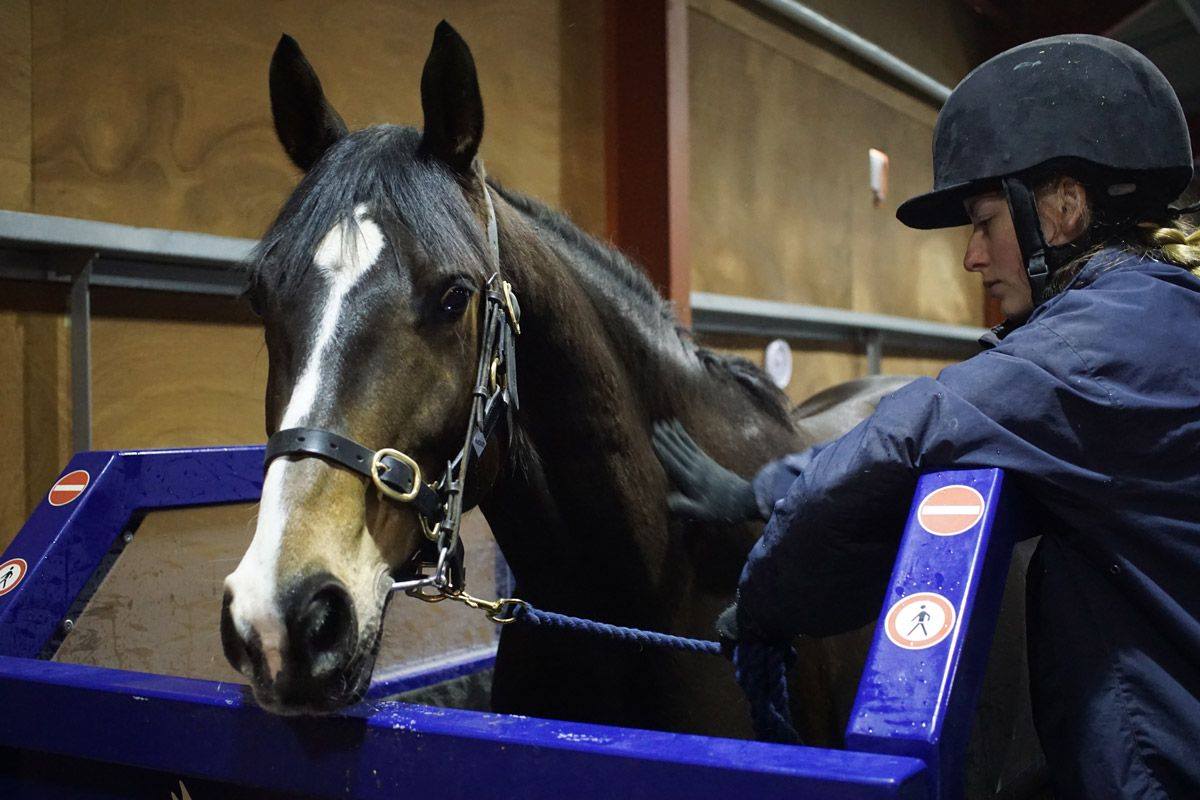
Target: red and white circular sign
920 620
69 487
950 510
11 572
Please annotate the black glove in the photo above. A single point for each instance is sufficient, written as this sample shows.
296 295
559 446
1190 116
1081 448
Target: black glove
734 627
707 492
727 630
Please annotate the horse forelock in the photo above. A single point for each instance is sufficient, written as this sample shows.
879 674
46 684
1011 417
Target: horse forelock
412 197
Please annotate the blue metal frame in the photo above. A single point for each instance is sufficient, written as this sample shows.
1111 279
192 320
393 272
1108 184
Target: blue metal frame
906 737
920 702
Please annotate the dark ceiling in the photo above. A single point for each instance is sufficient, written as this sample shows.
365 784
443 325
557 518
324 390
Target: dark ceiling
1166 31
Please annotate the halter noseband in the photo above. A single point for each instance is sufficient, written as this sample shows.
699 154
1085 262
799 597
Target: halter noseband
398 477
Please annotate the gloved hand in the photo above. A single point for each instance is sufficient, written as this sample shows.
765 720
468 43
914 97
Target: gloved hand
733 626
707 492
760 667
727 630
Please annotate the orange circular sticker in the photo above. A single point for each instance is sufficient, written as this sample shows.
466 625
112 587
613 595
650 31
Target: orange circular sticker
11 572
919 621
950 510
69 487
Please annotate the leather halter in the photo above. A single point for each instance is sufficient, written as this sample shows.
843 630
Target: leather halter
398 477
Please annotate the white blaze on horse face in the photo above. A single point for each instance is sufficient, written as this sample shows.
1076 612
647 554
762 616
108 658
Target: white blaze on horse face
344 255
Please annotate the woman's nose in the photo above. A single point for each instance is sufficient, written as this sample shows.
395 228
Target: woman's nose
975 259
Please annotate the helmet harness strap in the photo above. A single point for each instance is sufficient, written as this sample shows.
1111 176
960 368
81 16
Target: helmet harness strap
1023 205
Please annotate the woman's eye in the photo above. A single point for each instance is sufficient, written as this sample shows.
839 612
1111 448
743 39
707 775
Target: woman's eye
455 300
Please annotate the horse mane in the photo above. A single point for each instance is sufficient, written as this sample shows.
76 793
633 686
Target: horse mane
624 279
380 166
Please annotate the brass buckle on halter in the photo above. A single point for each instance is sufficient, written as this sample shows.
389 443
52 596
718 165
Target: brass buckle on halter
509 309
376 463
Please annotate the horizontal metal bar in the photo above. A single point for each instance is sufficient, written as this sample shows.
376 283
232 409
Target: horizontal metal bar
387 749
163 276
868 51
719 313
22 231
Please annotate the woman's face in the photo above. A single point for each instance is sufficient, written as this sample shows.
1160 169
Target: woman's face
993 252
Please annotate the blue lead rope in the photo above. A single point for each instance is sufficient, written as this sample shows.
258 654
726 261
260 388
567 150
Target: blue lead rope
759 668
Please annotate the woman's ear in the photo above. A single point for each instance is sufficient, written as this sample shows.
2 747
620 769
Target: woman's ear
1064 212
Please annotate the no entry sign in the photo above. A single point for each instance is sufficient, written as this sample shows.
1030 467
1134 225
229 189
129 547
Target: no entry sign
69 487
950 510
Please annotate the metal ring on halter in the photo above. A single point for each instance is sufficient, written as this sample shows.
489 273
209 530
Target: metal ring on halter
429 532
401 497
509 308
495 366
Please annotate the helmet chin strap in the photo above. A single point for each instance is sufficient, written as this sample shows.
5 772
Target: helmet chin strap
1028 226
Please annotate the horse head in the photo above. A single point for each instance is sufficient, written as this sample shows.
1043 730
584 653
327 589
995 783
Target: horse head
373 287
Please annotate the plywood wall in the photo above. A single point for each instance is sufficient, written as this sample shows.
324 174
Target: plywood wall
160 111
157 114
15 106
781 207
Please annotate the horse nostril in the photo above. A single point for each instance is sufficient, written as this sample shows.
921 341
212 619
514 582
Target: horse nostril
235 649
326 626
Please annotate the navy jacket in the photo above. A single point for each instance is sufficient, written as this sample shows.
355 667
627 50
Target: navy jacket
1094 407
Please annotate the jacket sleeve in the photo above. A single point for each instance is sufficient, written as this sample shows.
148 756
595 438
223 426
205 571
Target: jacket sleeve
826 553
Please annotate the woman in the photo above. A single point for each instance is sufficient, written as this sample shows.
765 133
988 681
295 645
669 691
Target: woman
1063 154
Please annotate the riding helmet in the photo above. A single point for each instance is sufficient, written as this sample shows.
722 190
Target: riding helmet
1091 107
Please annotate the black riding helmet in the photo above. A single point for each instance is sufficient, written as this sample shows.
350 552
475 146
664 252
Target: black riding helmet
1080 105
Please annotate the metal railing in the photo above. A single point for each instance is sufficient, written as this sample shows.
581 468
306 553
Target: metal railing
82 254
868 51
744 316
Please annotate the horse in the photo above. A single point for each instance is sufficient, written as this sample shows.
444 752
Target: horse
374 285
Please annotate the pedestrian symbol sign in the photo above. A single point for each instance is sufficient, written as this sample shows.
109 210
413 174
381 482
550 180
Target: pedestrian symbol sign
951 510
11 572
919 621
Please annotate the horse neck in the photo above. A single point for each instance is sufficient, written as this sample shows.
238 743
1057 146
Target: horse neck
580 511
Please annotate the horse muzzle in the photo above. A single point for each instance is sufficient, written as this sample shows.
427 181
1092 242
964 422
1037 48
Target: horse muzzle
318 665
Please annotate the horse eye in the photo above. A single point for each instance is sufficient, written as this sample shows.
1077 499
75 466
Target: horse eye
455 300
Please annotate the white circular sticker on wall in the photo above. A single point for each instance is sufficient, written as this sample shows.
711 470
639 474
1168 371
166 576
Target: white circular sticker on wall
920 620
778 363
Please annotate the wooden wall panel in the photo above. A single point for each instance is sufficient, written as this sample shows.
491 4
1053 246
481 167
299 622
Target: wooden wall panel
157 113
35 386
174 371
781 205
15 106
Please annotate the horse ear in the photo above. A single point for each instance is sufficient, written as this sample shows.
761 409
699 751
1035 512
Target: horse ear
304 121
451 102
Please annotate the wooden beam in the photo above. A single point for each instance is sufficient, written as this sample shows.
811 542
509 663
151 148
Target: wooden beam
646 139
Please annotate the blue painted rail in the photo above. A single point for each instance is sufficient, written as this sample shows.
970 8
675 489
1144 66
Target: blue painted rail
77 731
